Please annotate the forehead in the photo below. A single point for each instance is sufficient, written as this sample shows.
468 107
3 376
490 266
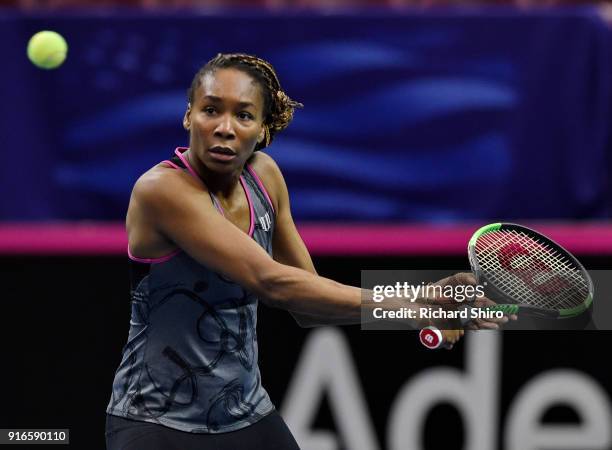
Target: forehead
230 85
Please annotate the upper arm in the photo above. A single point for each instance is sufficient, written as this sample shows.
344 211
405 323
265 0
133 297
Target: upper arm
288 246
184 214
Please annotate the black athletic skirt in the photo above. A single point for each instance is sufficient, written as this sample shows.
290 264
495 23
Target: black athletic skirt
269 433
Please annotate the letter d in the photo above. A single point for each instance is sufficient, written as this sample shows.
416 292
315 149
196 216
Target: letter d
474 394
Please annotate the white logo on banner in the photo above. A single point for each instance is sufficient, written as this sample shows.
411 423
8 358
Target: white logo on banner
326 367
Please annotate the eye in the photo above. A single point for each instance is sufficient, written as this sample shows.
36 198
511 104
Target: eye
210 110
243 115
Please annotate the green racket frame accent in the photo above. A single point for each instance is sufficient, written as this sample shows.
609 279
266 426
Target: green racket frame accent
506 309
572 312
483 230
515 308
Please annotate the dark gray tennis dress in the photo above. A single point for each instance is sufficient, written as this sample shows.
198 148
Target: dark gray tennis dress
190 362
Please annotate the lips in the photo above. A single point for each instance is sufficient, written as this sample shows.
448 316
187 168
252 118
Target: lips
222 153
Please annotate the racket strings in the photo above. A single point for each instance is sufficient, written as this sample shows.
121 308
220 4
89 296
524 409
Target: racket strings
544 286
558 293
517 288
538 275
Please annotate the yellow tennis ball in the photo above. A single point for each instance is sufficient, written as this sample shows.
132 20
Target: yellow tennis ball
47 49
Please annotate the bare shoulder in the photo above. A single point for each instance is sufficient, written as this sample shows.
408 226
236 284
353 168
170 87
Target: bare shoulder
156 193
161 184
269 173
264 164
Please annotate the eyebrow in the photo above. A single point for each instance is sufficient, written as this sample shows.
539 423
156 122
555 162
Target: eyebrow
214 98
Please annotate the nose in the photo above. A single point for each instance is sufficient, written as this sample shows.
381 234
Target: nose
225 128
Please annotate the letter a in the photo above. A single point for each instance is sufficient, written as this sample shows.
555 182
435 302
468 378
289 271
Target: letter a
474 394
326 366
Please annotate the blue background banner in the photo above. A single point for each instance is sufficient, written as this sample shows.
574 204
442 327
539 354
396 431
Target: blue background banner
434 117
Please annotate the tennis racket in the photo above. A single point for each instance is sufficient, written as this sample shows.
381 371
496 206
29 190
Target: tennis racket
525 273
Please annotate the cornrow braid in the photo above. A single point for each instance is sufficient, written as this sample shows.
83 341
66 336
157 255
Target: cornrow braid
278 107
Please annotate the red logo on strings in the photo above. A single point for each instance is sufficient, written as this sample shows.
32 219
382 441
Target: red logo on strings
530 269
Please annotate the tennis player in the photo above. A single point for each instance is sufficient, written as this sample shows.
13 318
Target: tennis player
210 232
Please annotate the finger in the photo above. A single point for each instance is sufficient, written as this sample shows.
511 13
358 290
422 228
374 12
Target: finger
490 324
500 320
487 326
483 302
451 336
465 278
488 303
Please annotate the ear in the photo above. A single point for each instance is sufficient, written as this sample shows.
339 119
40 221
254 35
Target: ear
187 118
262 135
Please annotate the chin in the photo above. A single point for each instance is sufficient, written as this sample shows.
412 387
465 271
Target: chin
221 167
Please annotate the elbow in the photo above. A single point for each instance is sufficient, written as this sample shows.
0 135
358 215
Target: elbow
271 286
281 286
303 321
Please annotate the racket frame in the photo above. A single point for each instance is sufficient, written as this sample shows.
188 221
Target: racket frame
510 306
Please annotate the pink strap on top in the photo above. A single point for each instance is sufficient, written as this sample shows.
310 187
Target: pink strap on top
178 153
261 186
153 260
251 212
170 163
182 158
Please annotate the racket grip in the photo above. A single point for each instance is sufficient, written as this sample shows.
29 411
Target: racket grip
432 338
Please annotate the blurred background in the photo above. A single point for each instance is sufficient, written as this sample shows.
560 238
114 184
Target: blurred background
423 121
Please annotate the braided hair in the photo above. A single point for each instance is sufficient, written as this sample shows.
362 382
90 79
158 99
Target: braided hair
278 107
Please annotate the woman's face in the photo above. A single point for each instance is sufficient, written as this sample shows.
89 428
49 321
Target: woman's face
225 120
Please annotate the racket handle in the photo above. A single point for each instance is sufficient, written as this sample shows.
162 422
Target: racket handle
432 338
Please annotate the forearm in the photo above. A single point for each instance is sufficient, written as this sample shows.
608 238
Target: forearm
367 315
316 300
300 291
309 320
